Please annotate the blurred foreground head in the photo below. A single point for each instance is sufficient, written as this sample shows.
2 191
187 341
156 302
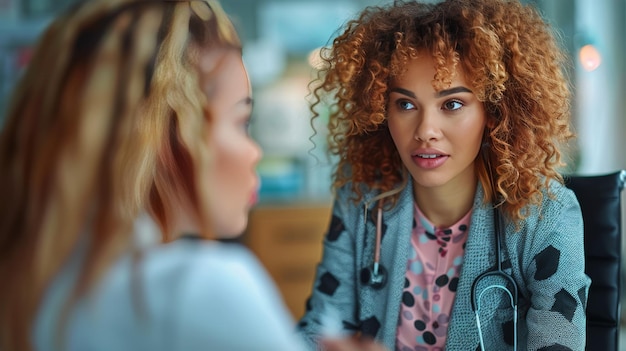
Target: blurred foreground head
108 121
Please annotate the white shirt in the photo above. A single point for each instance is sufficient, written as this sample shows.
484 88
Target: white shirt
188 295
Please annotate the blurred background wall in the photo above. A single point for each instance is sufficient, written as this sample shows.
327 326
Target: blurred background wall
281 38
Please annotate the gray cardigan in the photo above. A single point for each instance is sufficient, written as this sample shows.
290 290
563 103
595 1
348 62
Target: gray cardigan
545 258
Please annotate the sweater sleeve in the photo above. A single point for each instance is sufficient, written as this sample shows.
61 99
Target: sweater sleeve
555 277
332 307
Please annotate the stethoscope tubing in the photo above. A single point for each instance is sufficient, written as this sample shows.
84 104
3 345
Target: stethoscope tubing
378 274
511 291
497 270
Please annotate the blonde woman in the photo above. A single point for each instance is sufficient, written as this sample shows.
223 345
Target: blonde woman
129 129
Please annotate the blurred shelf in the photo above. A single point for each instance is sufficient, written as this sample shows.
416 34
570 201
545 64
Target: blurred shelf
288 240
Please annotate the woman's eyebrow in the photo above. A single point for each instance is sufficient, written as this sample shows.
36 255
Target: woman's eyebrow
441 93
247 101
454 90
403 92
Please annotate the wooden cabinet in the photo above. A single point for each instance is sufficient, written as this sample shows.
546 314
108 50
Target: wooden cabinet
288 241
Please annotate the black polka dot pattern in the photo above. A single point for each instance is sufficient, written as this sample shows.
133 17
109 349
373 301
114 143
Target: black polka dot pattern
546 266
365 275
431 236
429 338
328 284
444 237
408 299
419 325
370 326
454 283
335 229
565 304
508 332
506 264
349 326
442 280
431 280
547 262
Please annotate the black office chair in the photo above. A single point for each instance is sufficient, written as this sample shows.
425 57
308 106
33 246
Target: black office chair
600 200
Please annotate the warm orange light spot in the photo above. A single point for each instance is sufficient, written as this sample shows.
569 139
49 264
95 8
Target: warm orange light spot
589 57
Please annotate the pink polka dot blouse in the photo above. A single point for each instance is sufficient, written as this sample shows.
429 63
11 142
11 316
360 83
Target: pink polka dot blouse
430 283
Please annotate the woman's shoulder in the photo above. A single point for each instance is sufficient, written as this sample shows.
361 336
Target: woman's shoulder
224 292
186 271
183 295
559 208
159 260
155 285
190 260
558 196
190 248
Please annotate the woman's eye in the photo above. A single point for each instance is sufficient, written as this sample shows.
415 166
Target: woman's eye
452 105
405 105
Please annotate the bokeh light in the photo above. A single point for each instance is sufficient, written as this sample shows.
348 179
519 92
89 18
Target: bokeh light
589 57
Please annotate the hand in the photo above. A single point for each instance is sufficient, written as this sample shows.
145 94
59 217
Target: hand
352 344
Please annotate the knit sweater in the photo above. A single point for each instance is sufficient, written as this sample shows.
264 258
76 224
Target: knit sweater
544 254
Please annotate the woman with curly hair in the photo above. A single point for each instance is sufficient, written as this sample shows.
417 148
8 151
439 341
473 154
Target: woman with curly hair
125 159
447 121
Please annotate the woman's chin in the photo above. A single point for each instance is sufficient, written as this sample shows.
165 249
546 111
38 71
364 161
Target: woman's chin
234 231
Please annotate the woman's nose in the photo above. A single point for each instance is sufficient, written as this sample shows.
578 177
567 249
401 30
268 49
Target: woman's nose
427 128
257 153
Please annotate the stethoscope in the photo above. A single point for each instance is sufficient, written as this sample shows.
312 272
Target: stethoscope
496 271
377 274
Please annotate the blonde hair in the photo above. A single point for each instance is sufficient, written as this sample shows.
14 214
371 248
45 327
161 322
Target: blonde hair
109 120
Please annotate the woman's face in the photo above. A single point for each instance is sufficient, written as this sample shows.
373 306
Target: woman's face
437 133
233 182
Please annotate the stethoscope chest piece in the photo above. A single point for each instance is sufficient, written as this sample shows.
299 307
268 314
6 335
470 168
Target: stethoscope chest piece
374 276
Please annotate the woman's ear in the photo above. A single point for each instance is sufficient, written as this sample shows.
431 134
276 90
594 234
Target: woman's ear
490 124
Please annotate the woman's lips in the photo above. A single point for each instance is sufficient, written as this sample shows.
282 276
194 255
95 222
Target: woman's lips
429 160
254 198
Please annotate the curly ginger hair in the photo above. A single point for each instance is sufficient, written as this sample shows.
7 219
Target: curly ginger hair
510 57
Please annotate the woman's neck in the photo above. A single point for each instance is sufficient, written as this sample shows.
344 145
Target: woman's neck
444 206
181 219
